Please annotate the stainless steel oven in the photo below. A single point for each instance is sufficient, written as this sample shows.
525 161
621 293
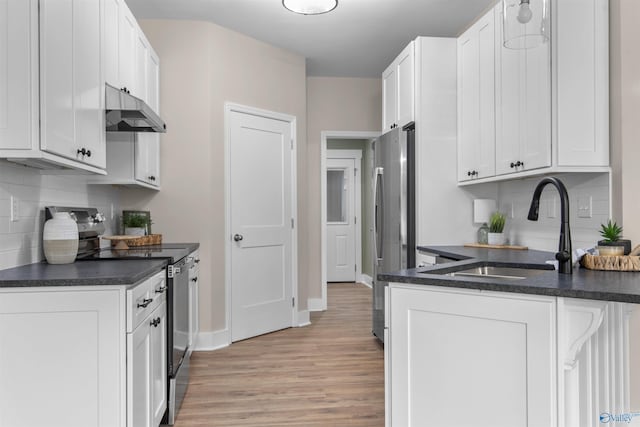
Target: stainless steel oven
178 339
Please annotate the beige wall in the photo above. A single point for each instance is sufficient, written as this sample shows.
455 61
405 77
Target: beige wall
625 111
203 66
334 104
625 140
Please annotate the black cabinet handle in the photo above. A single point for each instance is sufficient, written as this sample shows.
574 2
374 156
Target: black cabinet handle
197 260
519 163
513 165
195 279
145 302
155 322
161 289
469 173
84 152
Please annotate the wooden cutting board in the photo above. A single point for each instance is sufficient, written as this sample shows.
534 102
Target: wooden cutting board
121 241
480 245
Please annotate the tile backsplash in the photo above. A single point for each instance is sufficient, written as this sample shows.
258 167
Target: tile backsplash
21 240
585 190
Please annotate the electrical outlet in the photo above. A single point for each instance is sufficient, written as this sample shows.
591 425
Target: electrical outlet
552 210
585 206
15 205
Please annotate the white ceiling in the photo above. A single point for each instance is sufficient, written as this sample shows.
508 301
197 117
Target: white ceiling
358 39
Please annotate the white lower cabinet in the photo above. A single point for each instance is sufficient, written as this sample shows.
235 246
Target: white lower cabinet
147 370
470 358
84 356
62 358
463 357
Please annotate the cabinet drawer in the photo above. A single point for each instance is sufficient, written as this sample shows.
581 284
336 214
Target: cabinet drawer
144 298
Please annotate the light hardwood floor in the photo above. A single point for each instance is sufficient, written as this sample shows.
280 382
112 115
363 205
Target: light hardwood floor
330 373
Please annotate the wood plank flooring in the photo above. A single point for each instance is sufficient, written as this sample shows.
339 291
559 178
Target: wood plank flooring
328 374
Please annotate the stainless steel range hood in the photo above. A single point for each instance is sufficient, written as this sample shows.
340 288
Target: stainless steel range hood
126 113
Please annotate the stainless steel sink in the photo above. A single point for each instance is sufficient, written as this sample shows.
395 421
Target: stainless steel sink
506 273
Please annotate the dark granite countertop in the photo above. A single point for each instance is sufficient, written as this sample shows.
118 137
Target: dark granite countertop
81 273
583 283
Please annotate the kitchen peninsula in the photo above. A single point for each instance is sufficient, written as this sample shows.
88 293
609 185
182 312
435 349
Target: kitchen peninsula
514 344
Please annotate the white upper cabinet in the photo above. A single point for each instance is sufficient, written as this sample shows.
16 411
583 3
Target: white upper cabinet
18 75
476 101
51 87
71 85
551 101
581 72
133 159
398 90
523 105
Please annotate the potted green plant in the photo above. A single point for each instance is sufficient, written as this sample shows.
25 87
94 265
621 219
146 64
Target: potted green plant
135 225
611 234
496 229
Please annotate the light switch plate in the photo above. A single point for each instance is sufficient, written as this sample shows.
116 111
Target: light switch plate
585 207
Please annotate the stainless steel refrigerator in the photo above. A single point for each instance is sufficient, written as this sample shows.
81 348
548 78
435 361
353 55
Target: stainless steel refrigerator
394 212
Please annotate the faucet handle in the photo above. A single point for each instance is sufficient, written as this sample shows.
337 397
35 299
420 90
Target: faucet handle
563 256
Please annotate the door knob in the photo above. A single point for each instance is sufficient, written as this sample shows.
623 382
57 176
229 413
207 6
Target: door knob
237 237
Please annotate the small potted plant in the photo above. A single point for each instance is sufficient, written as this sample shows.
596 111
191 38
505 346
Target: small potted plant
496 229
611 243
135 225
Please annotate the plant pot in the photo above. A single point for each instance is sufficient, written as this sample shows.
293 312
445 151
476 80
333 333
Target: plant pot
496 238
135 231
60 239
626 244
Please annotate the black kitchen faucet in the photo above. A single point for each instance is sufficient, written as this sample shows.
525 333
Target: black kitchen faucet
564 248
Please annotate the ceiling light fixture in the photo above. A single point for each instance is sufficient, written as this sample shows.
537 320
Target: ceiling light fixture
310 7
525 23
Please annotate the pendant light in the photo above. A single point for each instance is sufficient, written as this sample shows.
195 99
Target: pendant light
525 23
310 7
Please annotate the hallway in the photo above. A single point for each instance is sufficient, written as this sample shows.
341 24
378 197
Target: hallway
328 374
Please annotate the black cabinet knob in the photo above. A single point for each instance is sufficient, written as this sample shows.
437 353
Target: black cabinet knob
238 237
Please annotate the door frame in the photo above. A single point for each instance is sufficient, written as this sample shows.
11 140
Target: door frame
229 108
320 304
356 156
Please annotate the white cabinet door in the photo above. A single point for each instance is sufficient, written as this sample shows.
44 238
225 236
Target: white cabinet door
389 97
581 62
406 85
471 358
128 30
111 41
158 365
476 101
398 90
18 71
71 87
523 106
61 354
140 88
139 374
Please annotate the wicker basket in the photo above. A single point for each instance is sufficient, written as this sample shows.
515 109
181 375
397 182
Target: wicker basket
151 239
611 263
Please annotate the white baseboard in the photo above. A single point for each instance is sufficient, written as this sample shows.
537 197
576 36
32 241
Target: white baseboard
214 340
304 318
365 279
316 304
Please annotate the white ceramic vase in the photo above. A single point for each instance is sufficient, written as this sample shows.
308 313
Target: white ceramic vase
60 239
496 238
135 231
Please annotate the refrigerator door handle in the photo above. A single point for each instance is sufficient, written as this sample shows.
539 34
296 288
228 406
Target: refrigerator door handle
379 213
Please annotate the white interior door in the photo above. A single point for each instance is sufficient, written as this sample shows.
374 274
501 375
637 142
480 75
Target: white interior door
341 228
261 221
